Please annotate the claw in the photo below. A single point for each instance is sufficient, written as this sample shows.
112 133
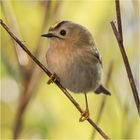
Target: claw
52 79
84 116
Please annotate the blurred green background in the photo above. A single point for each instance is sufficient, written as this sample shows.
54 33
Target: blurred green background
49 114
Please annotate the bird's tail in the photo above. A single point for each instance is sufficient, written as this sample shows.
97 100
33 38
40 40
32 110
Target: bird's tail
102 89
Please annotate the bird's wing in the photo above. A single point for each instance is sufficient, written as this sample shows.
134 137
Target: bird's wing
97 55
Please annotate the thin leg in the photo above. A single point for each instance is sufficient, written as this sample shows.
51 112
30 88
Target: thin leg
85 114
86 101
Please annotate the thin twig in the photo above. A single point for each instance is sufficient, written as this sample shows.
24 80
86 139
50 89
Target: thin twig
118 14
119 37
49 74
103 102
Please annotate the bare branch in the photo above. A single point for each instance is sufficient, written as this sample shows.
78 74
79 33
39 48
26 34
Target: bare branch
49 74
119 37
119 23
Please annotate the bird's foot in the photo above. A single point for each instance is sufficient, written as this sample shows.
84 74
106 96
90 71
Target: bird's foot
84 115
52 79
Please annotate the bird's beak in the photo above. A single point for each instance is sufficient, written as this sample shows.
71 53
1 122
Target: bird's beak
49 35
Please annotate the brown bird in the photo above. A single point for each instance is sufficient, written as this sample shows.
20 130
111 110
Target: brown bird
74 60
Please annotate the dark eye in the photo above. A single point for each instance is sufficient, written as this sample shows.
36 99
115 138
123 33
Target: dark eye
63 32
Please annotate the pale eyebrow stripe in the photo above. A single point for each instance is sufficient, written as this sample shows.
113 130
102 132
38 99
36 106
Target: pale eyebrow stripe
58 25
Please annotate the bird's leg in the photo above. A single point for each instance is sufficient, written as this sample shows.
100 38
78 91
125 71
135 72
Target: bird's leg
52 79
85 114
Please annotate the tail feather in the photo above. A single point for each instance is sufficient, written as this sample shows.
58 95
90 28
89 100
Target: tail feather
102 89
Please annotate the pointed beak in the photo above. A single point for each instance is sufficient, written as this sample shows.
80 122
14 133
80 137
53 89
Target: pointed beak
49 35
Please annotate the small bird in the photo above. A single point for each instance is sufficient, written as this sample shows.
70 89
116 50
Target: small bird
74 60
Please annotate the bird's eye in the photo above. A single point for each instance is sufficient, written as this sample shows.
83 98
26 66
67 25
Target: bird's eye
63 32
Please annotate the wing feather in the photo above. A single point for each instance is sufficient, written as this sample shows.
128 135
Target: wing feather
97 55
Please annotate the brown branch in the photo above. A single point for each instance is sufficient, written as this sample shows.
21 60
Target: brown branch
49 74
103 102
119 37
118 14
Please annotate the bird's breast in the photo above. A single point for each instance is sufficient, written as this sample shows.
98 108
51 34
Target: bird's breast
58 59
76 68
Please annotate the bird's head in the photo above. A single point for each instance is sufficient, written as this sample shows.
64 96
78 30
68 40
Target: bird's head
69 33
